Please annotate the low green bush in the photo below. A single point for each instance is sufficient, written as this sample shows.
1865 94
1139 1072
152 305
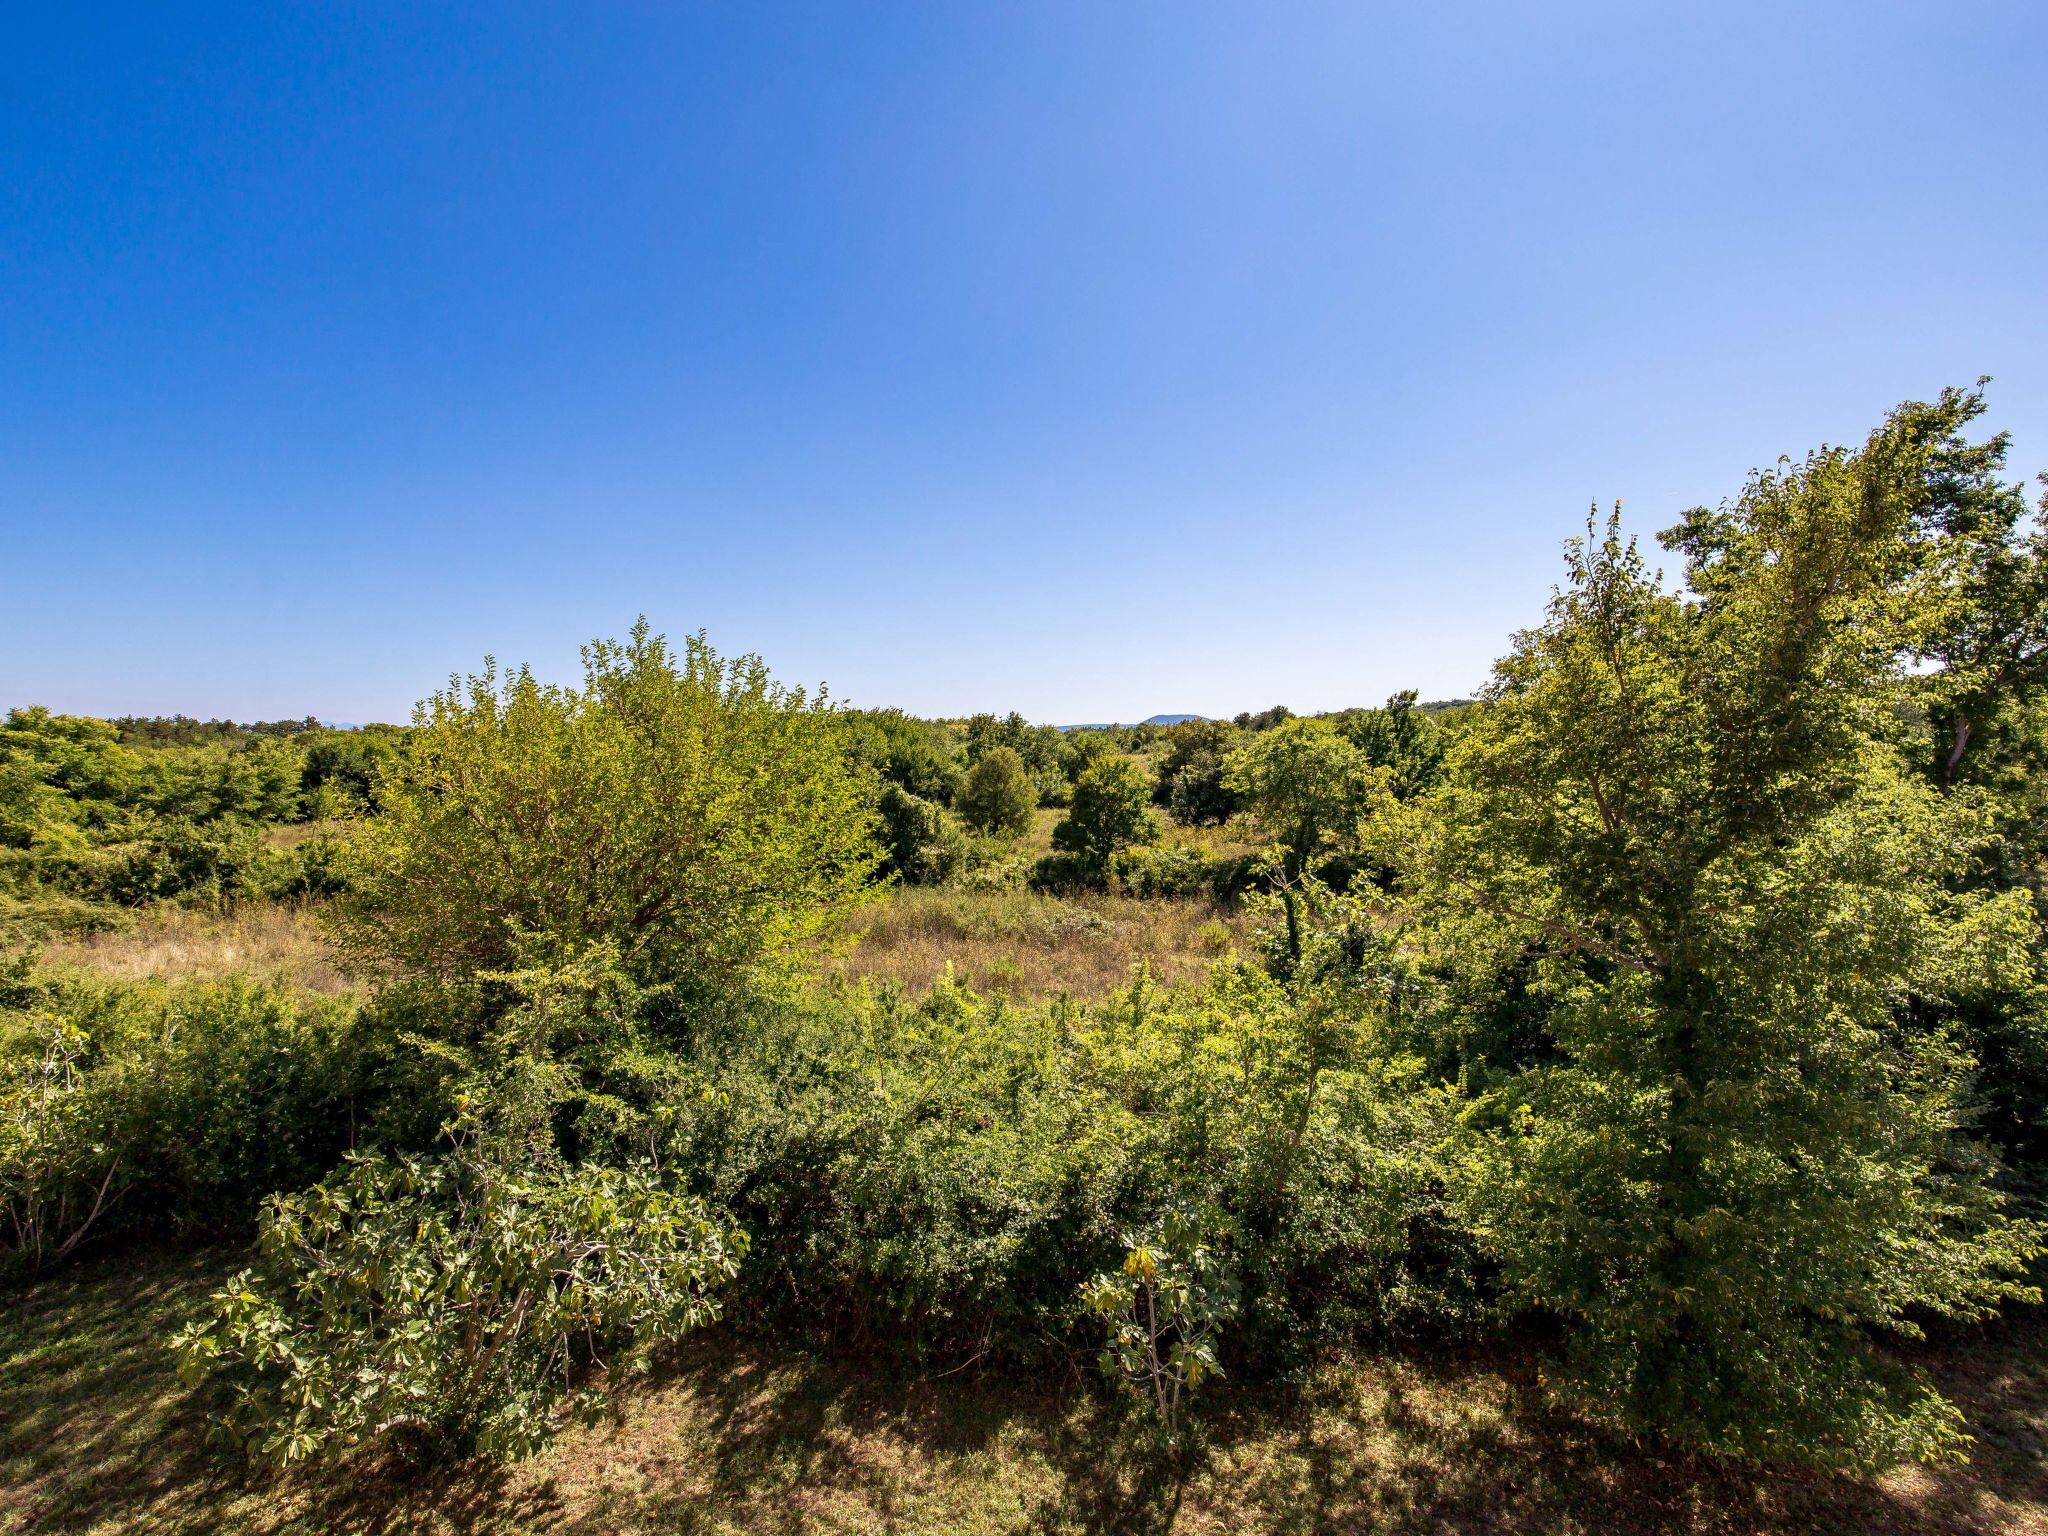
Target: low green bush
946 1173
174 1109
453 1302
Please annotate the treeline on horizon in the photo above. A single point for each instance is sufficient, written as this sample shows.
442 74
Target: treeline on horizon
1678 1010
116 814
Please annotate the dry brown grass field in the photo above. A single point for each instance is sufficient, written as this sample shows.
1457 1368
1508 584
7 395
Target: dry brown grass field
97 1437
1027 944
1018 942
283 941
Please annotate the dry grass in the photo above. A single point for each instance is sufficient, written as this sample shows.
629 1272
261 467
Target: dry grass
97 1437
281 941
1027 944
1018 942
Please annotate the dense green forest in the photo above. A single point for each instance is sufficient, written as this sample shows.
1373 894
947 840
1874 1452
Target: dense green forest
1674 1015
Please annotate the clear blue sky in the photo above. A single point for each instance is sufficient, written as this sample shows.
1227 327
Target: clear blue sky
1087 359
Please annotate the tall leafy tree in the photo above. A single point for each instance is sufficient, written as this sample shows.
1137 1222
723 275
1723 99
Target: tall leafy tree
1732 1162
1307 785
1111 811
1402 740
1191 774
999 796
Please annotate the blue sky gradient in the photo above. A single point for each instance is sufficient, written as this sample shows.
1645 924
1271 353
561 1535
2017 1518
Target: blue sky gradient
1088 360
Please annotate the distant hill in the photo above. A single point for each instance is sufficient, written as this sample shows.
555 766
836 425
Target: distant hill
1117 725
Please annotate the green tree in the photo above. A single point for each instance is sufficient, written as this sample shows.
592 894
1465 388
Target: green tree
683 808
1043 749
1307 786
1192 774
919 755
999 797
921 839
1111 811
1402 740
1731 1162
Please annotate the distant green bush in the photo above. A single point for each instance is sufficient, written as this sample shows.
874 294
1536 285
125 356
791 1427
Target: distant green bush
999 797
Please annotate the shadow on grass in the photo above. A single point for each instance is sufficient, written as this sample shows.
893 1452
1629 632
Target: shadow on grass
737 1436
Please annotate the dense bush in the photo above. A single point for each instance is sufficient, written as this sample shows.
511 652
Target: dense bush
998 797
685 809
947 1173
1043 750
918 756
922 843
452 1302
175 1109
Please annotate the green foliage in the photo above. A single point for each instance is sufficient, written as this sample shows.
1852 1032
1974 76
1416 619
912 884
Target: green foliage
85 816
999 798
1308 786
49 1149
1164 1309
1111 811
946 1174
172 1109
1402 740
922 842
1193 774
455 1301
918 756
683 808
1736 1162
1041 748
347 765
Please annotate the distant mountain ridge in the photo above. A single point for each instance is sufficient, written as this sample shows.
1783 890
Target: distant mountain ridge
1117 725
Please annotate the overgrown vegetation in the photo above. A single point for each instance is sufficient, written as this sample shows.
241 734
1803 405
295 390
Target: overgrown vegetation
1678 1009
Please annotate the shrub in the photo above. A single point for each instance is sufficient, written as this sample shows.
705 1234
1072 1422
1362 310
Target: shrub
999 798
924 1176
1164 1308
175 1109
54 1179
1110 812
945 1175
454 1301
685 809
923 843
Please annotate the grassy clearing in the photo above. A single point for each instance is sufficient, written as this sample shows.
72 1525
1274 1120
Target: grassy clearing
97 1437
1027 944
284 941
1019 942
